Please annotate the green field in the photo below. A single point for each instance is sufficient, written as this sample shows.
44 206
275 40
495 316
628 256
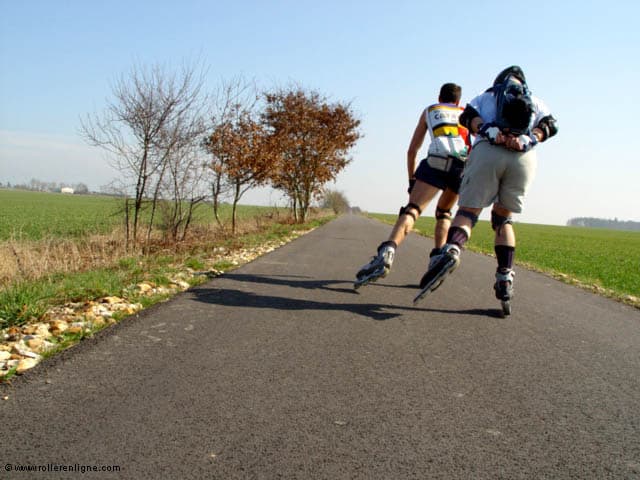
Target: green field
28 217
35 215
606 258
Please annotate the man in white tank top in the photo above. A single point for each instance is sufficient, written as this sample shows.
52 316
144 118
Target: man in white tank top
441 171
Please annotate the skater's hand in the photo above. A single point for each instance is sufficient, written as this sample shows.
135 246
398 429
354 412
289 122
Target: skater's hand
492 133
412 182
520 143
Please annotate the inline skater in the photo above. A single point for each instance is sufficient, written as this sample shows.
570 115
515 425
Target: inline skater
509 122
440 171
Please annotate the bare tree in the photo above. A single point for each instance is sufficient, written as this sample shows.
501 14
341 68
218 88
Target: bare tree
335 200
184 189
153 114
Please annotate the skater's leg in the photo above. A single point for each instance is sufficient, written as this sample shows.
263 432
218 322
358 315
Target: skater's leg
505 246
501 222
449 259
446 202
460 231
443 216
421 195
380 264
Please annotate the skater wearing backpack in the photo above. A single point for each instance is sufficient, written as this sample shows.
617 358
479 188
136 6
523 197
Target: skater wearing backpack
440 171
509 122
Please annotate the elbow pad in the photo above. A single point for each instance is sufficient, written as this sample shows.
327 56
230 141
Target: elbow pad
549 127
467 115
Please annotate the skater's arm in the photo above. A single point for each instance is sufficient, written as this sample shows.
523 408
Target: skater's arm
545 125
416 142
475 124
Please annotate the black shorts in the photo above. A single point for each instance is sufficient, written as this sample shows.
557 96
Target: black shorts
440 172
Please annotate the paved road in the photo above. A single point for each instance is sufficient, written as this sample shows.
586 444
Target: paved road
280 370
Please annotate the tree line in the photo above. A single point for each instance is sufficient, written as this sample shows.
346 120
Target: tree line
614 224
177 145
36 185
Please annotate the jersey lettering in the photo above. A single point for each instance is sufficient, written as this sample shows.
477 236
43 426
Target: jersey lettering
448 137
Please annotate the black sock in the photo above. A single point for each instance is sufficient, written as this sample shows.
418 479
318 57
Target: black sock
505 255
457 236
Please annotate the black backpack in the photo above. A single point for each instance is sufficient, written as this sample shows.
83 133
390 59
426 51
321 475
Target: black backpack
514 106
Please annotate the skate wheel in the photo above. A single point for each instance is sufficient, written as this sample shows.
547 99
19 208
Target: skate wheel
506 307
430 287
435 282
360 282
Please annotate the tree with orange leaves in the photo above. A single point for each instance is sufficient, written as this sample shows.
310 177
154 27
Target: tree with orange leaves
310 139
239 145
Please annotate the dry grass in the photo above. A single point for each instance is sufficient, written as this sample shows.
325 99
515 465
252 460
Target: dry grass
33 259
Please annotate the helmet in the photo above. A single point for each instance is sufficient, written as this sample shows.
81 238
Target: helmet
512 71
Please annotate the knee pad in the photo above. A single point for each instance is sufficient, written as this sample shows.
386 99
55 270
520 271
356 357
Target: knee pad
498 221
442 214
469 215
408 210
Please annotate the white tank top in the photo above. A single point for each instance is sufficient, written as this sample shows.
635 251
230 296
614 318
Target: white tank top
448 137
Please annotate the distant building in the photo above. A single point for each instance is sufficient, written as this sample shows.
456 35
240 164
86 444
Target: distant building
67 190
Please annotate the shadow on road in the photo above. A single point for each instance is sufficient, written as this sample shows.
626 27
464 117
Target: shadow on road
291 281
485 312
239 298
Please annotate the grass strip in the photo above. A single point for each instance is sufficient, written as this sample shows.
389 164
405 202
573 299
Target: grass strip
27 301
601 260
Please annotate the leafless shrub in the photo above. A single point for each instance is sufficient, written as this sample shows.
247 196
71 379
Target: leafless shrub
153 118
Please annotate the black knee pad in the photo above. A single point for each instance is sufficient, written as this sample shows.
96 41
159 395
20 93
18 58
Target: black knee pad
407 210
442 214
469 215
498 221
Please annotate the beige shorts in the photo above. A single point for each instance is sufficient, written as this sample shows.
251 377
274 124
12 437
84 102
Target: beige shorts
494 174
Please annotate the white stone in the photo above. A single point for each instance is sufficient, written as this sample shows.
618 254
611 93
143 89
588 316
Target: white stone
42 330
34 343
26 364
24 352
58 326
182 284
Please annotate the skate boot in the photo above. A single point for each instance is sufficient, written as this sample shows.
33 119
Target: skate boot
504 289
378 267
434 257
440 265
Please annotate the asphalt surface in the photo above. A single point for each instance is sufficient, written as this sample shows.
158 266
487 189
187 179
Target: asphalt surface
280 370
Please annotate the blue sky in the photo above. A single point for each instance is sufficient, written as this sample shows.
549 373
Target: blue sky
59 59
